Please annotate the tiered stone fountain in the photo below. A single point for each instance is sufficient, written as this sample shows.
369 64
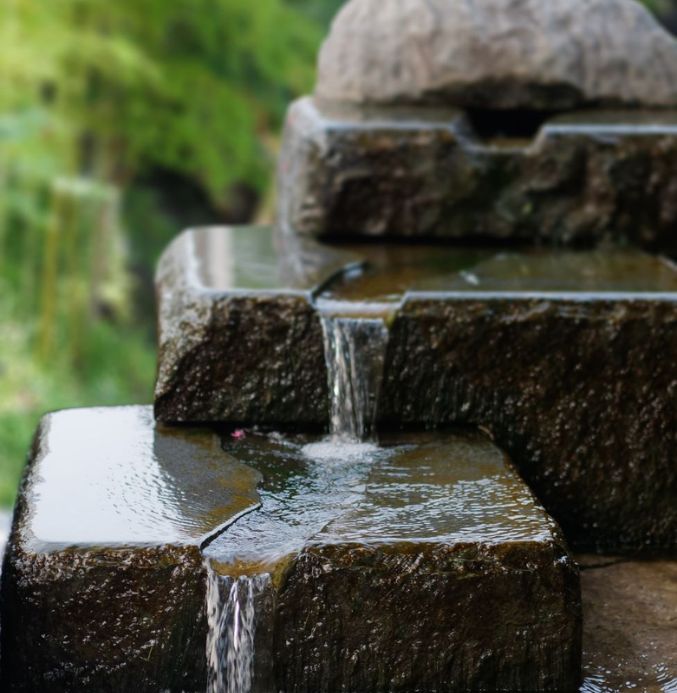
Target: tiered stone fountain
495 369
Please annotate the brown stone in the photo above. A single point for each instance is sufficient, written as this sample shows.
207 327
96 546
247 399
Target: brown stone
103 584
237 342
417 173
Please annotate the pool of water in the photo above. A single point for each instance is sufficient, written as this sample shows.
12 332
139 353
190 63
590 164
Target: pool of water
414 488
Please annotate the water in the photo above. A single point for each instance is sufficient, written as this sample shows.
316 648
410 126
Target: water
131 482
231 619
393 272
438 488
300 495
425 490
355 353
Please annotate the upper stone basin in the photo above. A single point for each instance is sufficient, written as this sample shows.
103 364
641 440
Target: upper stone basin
442 173
237 261
559 353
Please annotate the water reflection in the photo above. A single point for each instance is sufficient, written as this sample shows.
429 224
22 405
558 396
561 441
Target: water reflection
442 488
392 272
109 477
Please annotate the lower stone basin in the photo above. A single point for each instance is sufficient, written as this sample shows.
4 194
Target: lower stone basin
423 564
146 558
103 584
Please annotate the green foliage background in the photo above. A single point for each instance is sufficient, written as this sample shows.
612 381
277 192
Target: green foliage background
97 97
109 110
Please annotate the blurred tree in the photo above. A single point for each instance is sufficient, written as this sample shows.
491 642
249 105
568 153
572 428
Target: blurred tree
114 91
131 85
96 95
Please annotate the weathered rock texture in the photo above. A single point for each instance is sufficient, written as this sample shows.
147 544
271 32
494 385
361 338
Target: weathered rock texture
106 620
419 174
230 354
501 617
103 584
499 54
581 393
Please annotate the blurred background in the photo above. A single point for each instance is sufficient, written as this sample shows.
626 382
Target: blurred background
121 123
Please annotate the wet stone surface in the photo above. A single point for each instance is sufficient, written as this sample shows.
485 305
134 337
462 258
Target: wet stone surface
103 585
238 337
424 564
630 625
561 354
428 173
578 391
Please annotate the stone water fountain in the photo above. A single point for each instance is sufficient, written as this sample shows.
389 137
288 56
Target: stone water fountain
382 427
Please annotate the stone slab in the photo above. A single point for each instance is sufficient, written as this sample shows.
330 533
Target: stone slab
103 585
238 337
563 355
629 624
425 173
423 564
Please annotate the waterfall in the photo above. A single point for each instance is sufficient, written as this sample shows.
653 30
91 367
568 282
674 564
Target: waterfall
355 353
231 621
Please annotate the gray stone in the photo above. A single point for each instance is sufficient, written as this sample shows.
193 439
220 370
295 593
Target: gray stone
103 585
420 173
499 54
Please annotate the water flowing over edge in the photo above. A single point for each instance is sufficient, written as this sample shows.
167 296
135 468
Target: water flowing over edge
231 630
355 355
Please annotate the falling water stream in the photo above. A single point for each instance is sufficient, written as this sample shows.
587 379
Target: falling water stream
231 619
355 354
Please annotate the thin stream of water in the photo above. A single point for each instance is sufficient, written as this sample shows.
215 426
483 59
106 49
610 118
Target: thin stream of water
355 354
231 619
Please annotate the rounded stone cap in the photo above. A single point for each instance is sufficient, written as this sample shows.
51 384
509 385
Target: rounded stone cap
499 54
